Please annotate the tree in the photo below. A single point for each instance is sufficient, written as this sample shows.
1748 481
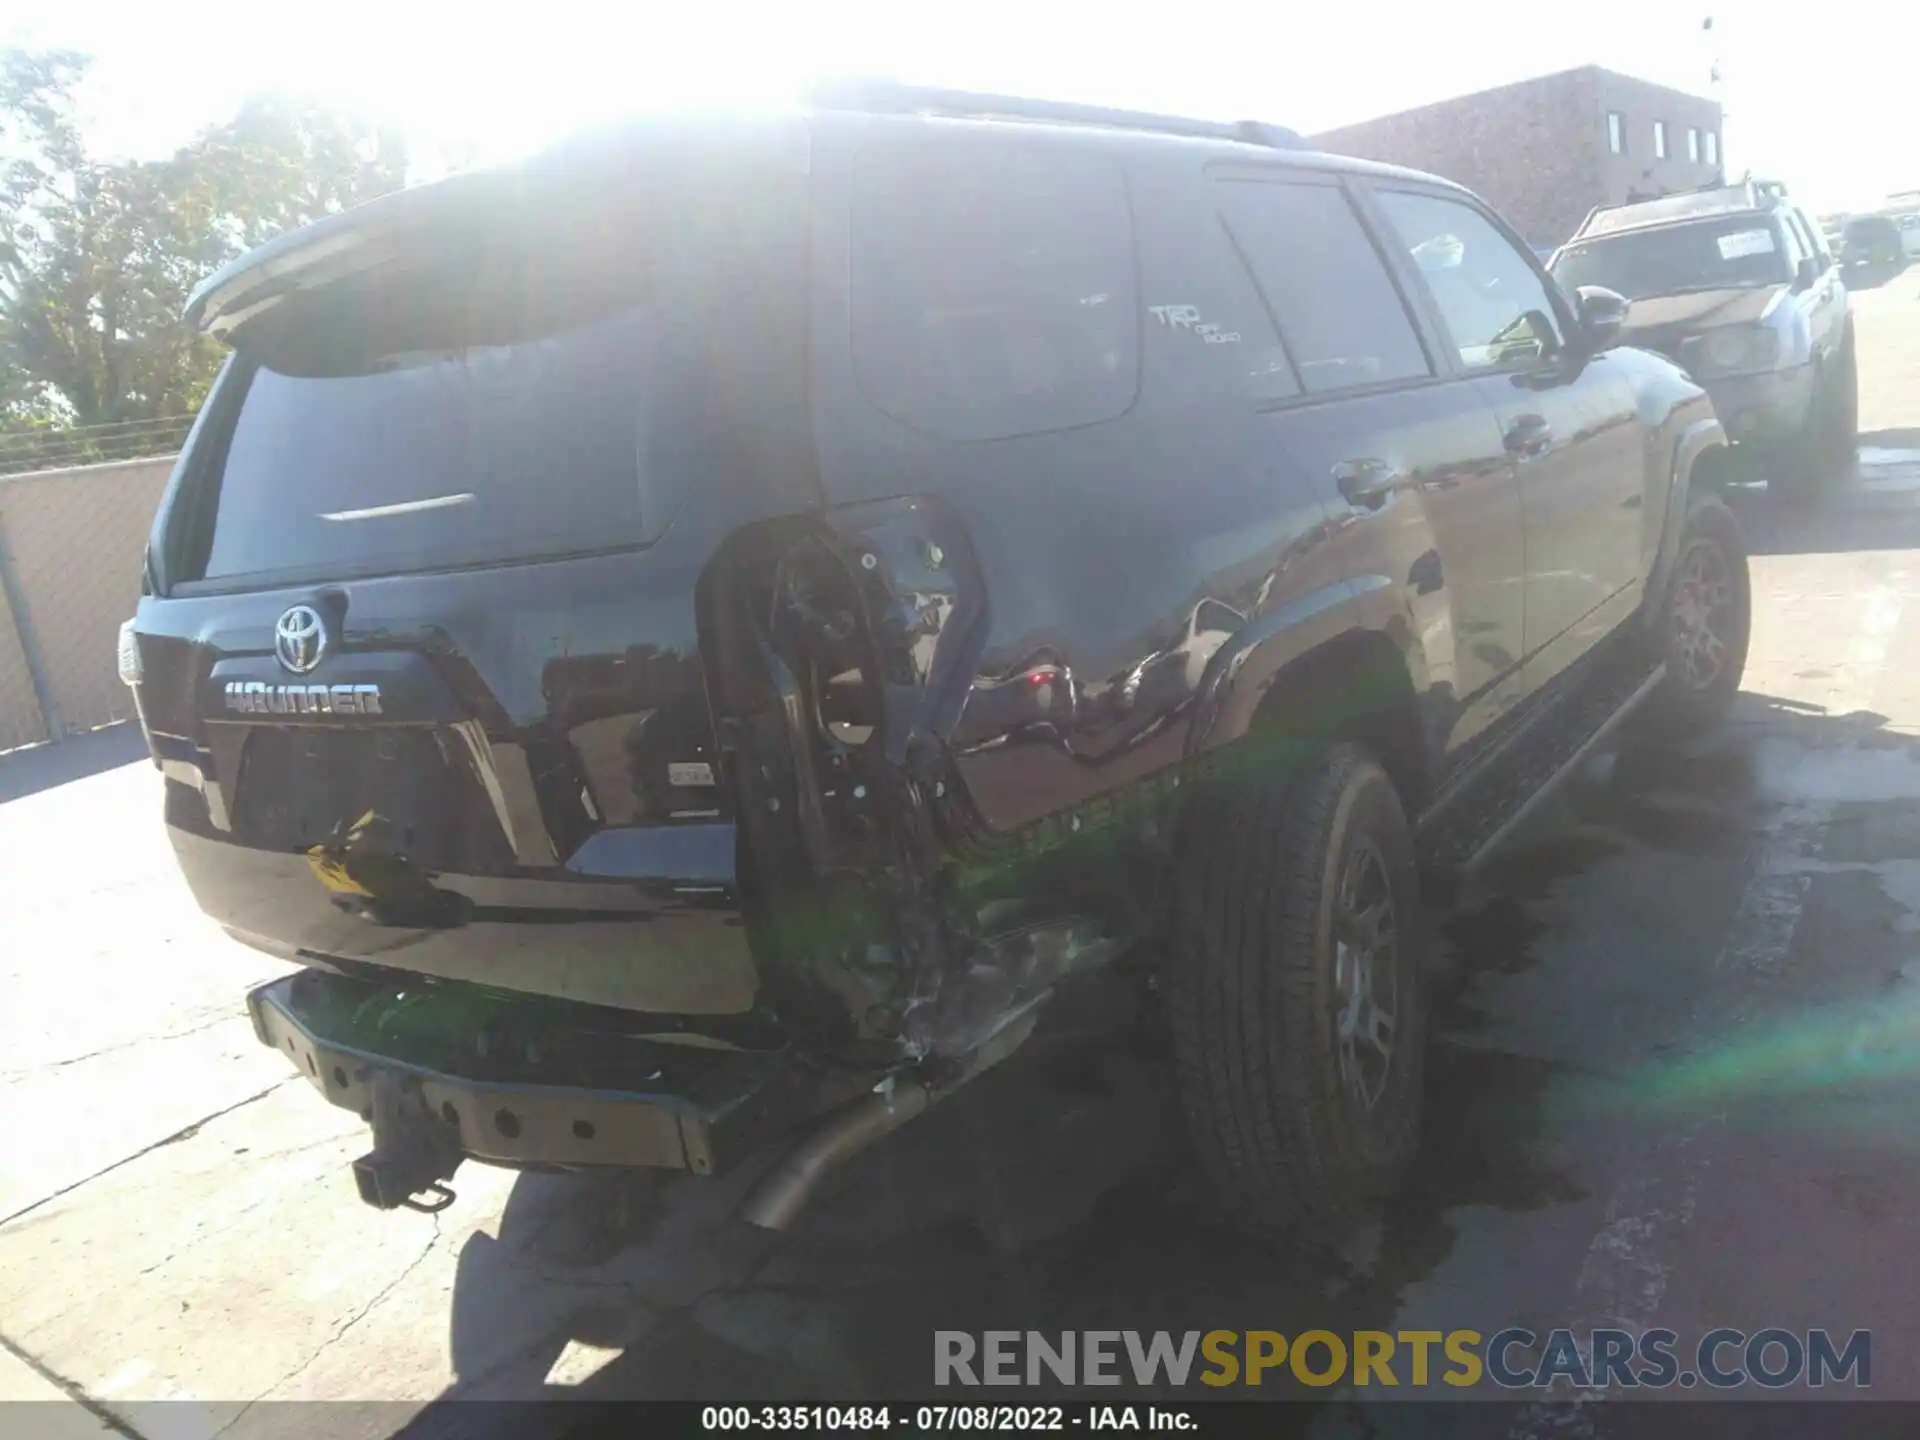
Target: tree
38 141
98 257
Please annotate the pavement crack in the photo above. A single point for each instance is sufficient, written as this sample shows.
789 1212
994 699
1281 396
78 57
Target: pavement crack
73 1392
340 1330
221 1019
227 1223
185 1133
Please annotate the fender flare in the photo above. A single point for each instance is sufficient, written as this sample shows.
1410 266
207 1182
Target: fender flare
1264 651
1700 438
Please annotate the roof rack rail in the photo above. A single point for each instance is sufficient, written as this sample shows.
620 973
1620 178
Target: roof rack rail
1755 185
886 97
1748 191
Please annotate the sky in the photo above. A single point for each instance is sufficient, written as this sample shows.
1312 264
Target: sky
1826 107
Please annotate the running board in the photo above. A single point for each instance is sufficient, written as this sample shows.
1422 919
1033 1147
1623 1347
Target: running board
1533 768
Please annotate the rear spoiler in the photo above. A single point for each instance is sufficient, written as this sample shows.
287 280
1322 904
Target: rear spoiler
353 242
529 201
313 255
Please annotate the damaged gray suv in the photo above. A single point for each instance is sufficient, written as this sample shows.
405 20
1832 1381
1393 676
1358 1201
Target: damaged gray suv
1737 285
700 642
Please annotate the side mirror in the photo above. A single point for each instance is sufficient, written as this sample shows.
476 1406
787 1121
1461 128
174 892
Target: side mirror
1603 314
1806 273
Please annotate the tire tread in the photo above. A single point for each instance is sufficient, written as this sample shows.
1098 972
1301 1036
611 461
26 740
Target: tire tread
1260 1106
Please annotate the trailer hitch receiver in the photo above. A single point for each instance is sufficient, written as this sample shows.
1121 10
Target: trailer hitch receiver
414 1150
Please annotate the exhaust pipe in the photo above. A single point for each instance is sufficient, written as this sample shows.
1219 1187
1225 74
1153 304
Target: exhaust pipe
781 1195
778 1199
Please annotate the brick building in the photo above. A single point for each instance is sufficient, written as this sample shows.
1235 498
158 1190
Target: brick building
1545 152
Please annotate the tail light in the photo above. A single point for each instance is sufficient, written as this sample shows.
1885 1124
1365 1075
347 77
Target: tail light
130 673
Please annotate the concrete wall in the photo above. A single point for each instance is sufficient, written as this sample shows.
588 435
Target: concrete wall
1537 150
20 720
70 548
1530 150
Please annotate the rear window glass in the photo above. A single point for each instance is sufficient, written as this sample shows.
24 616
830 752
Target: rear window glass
993 292
538 363
418 456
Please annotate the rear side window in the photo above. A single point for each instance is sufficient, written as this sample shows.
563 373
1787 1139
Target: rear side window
1340 314
993 291
1796 244
1822 247
1808 235
1208 334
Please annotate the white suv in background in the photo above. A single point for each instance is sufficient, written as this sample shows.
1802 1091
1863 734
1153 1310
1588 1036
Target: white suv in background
1909 234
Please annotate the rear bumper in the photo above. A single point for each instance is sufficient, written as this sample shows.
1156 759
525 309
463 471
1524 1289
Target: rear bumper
659 931
530 1089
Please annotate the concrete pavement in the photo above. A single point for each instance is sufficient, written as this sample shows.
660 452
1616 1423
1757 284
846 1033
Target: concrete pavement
1672 1085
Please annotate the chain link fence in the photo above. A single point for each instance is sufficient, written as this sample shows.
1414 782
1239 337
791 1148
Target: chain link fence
71 542
48 448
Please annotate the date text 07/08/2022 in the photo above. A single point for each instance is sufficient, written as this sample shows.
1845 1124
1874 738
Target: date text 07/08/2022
938 1419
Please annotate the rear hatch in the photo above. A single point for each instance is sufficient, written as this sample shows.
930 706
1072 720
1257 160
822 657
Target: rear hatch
420 655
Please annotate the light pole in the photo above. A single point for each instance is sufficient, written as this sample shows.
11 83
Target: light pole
1714 89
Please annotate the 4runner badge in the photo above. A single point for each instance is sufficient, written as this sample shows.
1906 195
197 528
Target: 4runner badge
253 697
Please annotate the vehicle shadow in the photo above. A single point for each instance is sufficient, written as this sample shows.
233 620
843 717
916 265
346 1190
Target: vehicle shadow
1874 506
1053 1194
1056 1193
42 767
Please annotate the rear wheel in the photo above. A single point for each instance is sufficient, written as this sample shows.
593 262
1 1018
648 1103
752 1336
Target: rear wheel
1840 439
1703 624
1296 997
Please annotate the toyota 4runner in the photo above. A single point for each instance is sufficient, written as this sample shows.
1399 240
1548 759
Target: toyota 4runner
693 640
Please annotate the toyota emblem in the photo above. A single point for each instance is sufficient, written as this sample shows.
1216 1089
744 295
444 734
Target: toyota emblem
300 639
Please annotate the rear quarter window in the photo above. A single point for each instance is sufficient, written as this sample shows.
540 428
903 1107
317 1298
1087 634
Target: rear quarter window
993 290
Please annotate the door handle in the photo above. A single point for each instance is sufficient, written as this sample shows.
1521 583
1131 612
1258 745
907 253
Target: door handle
1528 435
1367 483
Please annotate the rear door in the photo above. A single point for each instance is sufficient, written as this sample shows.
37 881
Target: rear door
1430 514
1569 425
1048 332
1827 298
